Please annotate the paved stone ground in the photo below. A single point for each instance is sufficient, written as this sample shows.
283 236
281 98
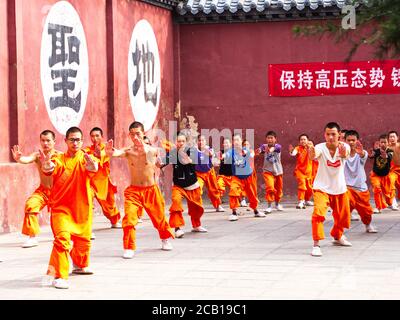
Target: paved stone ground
253 258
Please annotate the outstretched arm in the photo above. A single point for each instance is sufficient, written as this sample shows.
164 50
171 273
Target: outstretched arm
18 157
113 152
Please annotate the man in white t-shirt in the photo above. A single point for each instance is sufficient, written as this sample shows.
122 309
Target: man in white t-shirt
330 188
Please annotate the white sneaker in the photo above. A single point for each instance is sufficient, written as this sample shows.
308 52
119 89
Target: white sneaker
309 203
301 205
243 203
199 229
140 221
117 225
128 254
269 208
60 283
220 209
316 252
166 245
179 233
93 236
370 229
342 242
31 242
259 215
279 207
354 217
394 205
233 217
376 210
78 270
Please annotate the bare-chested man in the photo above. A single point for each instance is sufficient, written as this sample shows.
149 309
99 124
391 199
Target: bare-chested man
143 191
395 165
40 197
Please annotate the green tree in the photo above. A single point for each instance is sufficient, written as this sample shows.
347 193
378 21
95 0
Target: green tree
377 25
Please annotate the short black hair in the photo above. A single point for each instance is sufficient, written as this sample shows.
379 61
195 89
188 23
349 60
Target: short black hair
73 130
351 133
237 134
136 124
383 136
46 132
97 129
393 131
270 133
343 131
304 135
332 125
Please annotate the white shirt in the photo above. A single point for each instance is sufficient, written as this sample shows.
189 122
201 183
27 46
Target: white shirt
354 172
330 175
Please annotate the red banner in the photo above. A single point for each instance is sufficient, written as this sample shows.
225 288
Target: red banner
332 78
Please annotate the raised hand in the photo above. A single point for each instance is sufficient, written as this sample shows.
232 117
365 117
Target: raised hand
359 147
45 160
342 150
291 148
109 148
383 153
371 152
16 152
97 151
91 165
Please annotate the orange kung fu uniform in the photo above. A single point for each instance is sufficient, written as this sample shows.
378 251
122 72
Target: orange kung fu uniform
273 174
303 173
104 189
395 171
151 199
382 180
186 186
243 179
34 204
224 178
206 177
71 213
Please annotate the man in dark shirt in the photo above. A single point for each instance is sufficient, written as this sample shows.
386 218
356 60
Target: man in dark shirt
185 186
381 180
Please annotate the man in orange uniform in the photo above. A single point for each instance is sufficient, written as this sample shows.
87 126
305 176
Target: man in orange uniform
143 193
206 174
302 172
272 171
106 190
40 198
330 188
243 178
356 178
71 207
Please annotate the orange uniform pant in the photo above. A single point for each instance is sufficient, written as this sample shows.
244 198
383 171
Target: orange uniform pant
304 187
151 199
383 190
340 205
249 185
223 183
359 200
273 187
109 207
195 207
59 262
395 170
34 204
209 179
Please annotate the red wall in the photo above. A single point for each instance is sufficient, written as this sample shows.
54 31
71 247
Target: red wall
18 181
224 84
4 108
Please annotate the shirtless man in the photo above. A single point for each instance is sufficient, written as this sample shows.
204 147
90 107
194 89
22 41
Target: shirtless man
40 197
143 191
